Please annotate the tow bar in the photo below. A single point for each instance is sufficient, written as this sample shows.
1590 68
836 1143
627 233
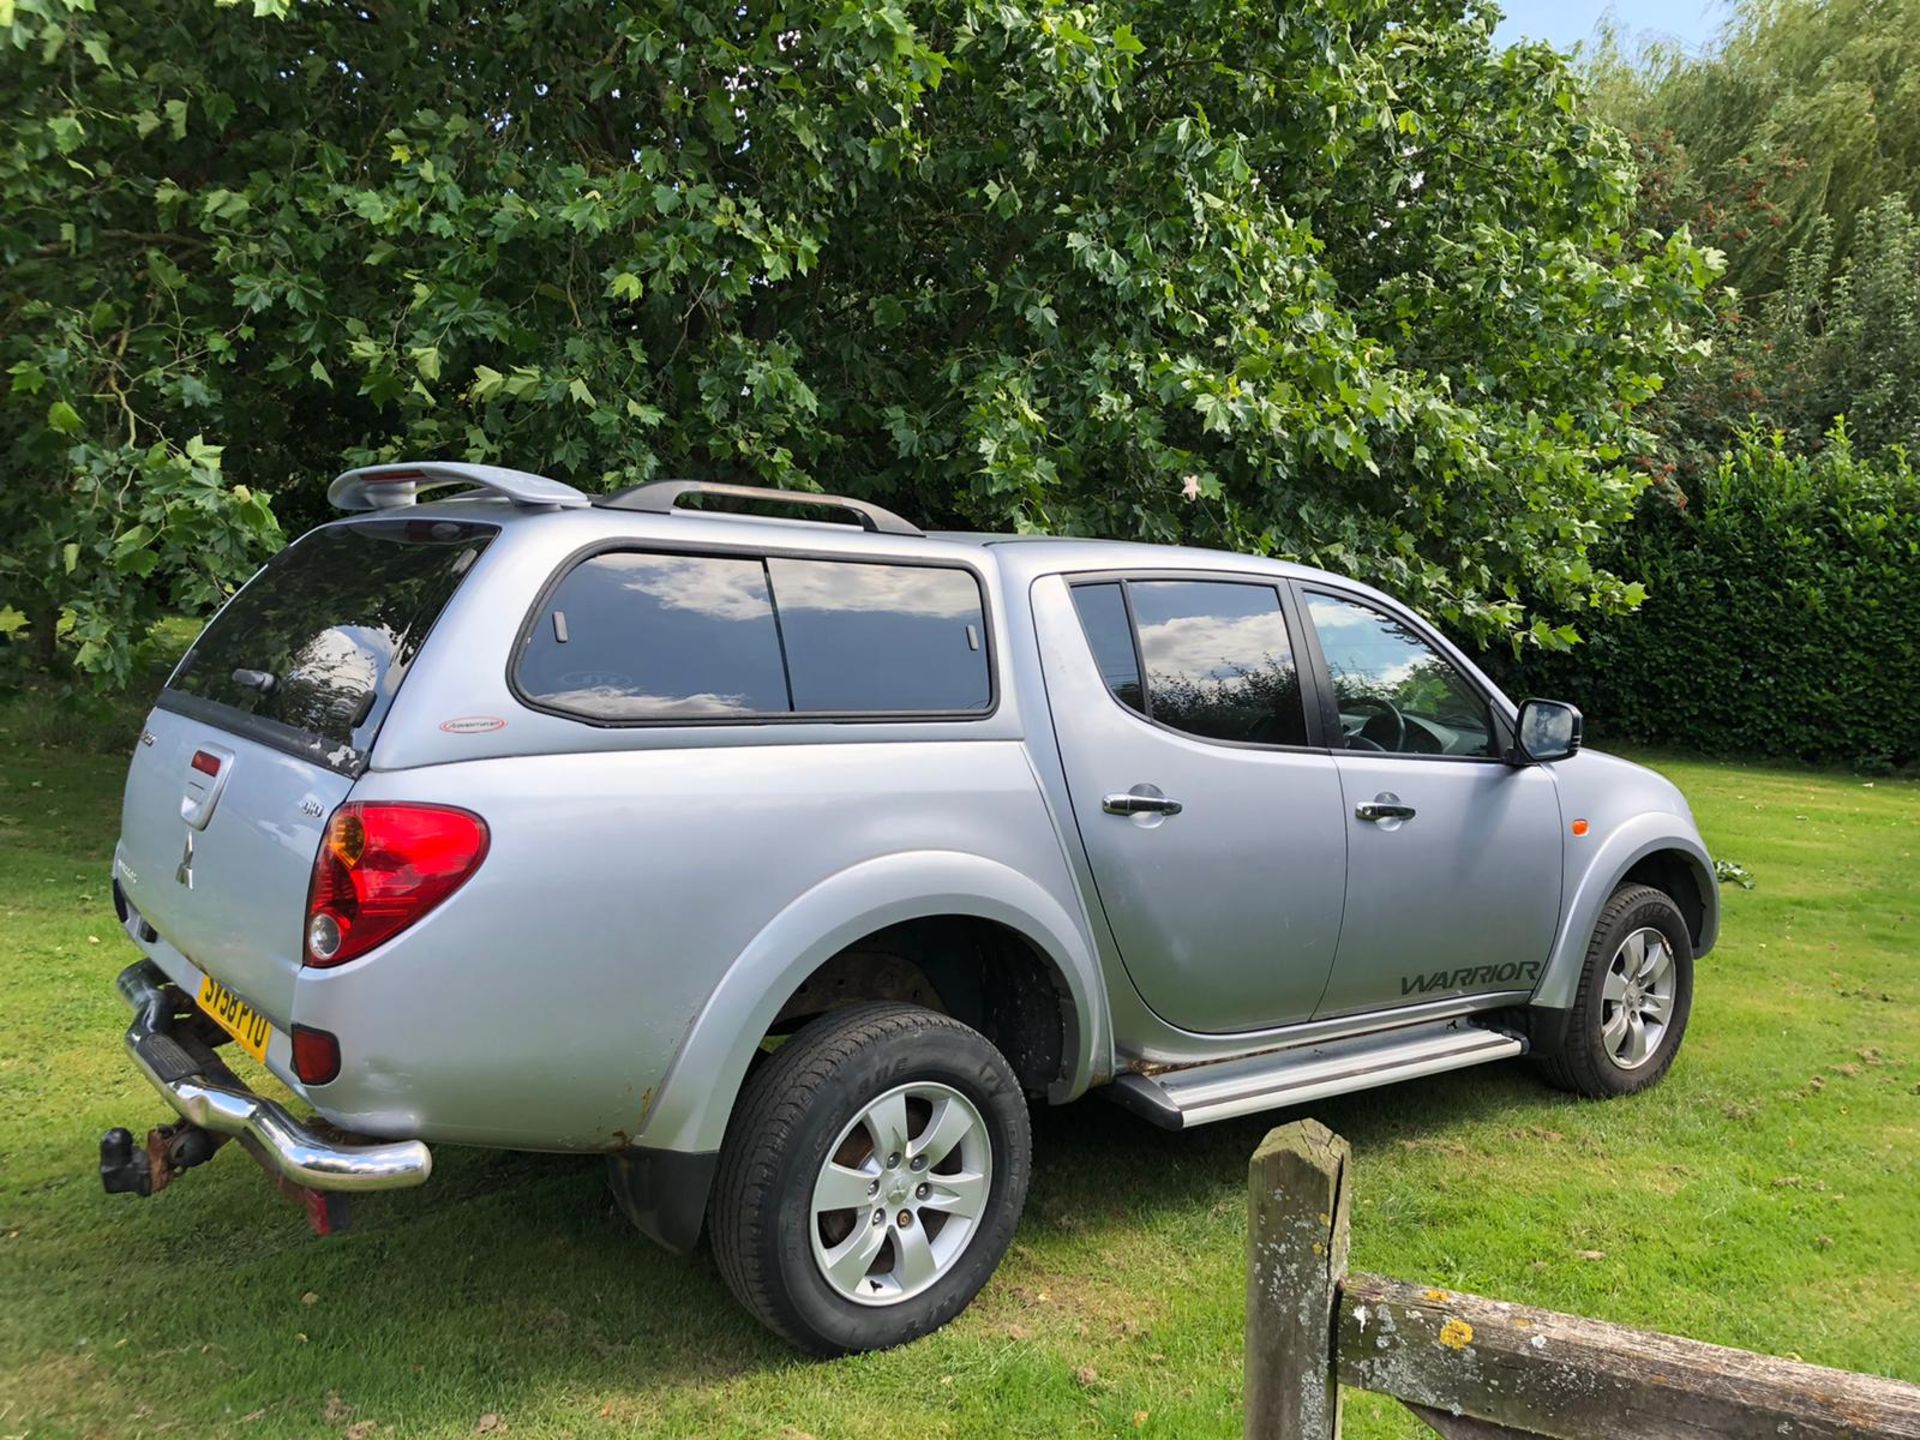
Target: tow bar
169 1150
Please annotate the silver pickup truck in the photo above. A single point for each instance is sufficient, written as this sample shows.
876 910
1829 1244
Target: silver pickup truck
786 861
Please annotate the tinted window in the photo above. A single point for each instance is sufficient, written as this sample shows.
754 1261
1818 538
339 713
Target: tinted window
325 632
1218 661
875 638
631 636
1394 690
637 636
1103 615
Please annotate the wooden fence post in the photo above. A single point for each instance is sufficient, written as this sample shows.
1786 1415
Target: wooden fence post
1297 1219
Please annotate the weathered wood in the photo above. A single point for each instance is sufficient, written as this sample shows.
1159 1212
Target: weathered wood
1464 1427
1571 1378
1297 1222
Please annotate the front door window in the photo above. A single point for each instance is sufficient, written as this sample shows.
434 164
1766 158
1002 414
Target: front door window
1394 691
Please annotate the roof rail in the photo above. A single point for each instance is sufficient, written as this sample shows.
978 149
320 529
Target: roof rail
383 487
659 498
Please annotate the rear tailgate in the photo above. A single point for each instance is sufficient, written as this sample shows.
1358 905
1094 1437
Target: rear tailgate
262 732
230 896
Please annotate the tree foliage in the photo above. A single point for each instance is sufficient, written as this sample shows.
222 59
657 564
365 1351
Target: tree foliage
1845 339
1333 280
1837 342
1804 113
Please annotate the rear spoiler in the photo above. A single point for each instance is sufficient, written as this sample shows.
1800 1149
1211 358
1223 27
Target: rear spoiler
383 487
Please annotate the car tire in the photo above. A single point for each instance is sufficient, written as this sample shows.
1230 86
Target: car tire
1639 964
811 1127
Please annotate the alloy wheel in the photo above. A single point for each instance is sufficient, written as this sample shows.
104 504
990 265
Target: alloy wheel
1636 1002
901 1193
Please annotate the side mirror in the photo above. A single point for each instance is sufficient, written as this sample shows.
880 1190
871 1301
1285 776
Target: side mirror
1548 730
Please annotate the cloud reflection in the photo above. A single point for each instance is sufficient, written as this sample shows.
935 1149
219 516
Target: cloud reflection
727 589
618 704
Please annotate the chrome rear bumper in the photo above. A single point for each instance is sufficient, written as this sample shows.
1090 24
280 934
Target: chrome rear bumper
192 1079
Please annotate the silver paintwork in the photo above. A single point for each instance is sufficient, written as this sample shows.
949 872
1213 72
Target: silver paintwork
1471 880
896 1203
271 1133
1636 998
1632 814
653 894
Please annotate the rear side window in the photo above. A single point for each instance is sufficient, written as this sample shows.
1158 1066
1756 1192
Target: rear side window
311 652
639 636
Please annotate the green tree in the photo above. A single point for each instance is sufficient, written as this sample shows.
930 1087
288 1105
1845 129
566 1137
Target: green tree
1803 112
1332 280
1844 340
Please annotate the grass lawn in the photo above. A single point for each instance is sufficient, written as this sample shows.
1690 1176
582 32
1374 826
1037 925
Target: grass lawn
1767 1196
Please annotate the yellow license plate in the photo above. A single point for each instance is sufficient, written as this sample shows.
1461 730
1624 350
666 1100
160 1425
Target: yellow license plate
233 1015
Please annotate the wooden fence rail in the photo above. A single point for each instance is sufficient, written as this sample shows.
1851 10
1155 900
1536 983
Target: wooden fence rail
1475 1369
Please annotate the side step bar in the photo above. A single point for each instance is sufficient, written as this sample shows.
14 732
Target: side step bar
1199 1094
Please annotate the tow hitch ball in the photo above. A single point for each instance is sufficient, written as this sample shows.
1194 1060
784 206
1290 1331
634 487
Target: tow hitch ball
125 1170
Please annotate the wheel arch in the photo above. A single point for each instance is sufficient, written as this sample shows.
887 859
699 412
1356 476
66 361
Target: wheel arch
689 1110
1649 851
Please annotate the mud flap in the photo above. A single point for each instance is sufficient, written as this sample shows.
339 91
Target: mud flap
328 1212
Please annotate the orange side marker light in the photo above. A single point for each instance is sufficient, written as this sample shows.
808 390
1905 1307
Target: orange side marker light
1580 827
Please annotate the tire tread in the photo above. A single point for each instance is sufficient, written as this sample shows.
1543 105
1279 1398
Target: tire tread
1572 1068
770 1108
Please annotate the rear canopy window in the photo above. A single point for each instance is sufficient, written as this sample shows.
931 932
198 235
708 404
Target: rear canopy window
635 636
313 649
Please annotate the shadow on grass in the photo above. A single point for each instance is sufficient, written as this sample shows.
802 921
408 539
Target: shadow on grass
511 1280
1079 1150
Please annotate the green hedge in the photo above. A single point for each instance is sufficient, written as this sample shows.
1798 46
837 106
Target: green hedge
1782 616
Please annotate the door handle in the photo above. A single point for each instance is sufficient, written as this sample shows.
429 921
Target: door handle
1130 804
1377 810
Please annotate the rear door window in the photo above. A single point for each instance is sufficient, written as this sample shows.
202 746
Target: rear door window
1218 660
1103 615
1216 656
634 636
308 656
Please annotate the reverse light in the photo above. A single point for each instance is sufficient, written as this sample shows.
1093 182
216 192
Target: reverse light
380 868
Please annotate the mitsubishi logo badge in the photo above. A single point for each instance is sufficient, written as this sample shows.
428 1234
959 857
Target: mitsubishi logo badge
185 873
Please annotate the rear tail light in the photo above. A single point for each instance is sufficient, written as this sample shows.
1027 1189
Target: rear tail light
380 868
316 1055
